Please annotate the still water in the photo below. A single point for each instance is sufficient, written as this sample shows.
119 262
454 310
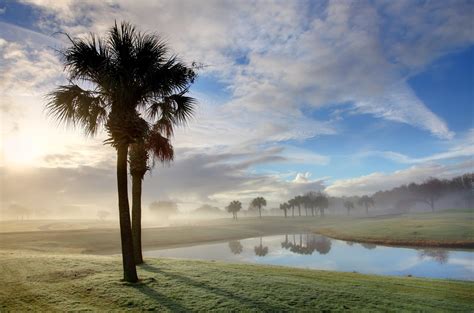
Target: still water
320 252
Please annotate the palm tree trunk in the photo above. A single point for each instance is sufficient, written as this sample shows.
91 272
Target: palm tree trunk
260 212
285 213
129 269
137 218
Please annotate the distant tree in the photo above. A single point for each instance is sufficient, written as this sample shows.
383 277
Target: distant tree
284 207
322 202
258 203
349 206
299 202
234 207
208 209
102 215
261 250
292 204
21 212
367 202
431 190
235 247
306 201
164 209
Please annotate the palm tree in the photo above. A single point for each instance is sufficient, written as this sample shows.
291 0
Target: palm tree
128 74
258 203
139 161
284 207
234 207
322 202
349 206
292 204
298 203
367 202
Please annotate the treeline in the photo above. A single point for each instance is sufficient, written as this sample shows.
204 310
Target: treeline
456 192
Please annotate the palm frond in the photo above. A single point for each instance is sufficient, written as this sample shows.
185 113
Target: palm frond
72 105
160 147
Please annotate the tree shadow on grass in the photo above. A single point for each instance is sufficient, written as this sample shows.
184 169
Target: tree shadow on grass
163 300
250 303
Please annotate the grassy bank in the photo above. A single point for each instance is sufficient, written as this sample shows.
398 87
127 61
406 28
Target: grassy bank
445 229
33 281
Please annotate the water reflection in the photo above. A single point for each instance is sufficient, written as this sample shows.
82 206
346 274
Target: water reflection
320 252
235 247
261 250
439 255
308 243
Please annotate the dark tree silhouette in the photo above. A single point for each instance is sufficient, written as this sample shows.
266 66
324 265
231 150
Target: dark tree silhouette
367 202
258 203
234 207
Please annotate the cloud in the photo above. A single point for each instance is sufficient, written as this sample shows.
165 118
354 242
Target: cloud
458 148
342 52
368 184
194 178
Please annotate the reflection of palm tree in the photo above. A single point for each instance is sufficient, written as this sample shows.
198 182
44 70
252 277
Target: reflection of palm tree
286 244
261 250
440 256
235 247
310 244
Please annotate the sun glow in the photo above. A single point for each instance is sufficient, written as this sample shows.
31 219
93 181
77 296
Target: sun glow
21 150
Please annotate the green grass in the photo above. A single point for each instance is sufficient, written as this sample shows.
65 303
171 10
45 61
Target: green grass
447 229
41 282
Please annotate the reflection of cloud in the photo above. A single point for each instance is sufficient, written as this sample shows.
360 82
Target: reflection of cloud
468 264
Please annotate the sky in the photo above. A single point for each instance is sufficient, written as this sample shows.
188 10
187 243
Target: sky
348 97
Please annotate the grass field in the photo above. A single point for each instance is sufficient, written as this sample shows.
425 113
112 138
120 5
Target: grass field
83 282
52 269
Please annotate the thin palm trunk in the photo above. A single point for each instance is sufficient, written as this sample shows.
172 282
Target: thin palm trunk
260 212
128 261
137 218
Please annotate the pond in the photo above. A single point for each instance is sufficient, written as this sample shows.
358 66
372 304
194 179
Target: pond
319 252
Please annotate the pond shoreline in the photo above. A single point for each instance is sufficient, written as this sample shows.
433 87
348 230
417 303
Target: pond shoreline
468 245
